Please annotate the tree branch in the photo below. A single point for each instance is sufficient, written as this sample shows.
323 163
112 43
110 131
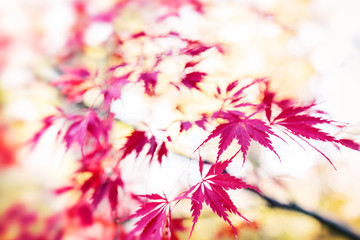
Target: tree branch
338 227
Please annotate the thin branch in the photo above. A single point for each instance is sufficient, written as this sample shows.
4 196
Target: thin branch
336 226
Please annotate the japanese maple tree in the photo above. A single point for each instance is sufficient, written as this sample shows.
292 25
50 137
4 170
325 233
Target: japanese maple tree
244 110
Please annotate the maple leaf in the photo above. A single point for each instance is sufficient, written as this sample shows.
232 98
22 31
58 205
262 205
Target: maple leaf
95 156
101 183
107 187
195 47
113 192
154 215
235 93
302 124
83 125
64 189
185 125
300 121
137 140
175 225
150 81
112 88
47 123
75 43
211 190
191 80
163 151
74 83
242 129
174 6
191 64
267 101
201 122
83 211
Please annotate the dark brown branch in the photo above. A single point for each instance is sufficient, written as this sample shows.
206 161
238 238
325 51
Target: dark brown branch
336 226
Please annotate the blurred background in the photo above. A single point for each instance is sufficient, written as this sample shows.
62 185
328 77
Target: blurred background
309 48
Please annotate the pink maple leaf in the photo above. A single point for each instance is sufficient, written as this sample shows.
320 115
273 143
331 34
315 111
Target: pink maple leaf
211 190
174 6
241 129
84 125
154 215
112 88
74 83
300 121
47 123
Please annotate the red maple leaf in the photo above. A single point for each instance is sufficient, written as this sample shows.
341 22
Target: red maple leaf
84 125
83 211
176 225
137 140
102 184
301 121
191 80
163 151
201 122
242 129
185 125
154 215
113 192
150 80
211 190
235 93
107 187
195 47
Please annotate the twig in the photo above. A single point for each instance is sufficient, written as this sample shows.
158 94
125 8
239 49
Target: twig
336 226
